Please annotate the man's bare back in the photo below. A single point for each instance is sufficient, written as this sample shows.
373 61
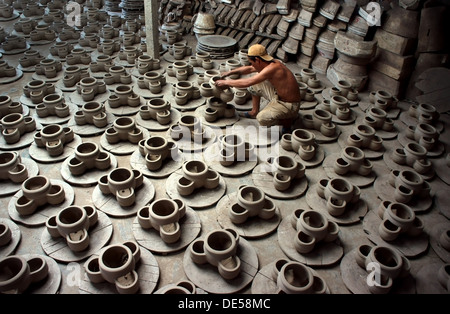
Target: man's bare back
284 81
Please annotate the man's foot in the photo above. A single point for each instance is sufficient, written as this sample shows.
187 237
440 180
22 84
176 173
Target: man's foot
247 114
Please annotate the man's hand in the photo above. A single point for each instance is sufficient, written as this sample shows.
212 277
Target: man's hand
224 74
221 83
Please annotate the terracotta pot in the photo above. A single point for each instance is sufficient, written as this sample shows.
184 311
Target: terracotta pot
301 281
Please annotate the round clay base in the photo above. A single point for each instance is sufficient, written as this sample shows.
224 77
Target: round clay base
7 187
211 156
190 105
99 236
385 192
323 254
355 278
407 245
253 227
109 205
148 272
207 277
44 78
442 170
435 234
264 180
265 284
137 161
40 216
16 236
124 110
441 201
11 79
190 226
353 213
123 147
41 154
90 177
353 177
200 198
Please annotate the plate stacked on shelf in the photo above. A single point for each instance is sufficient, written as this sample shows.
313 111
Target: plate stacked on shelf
218 46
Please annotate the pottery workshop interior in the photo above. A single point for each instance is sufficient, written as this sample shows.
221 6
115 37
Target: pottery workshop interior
128 167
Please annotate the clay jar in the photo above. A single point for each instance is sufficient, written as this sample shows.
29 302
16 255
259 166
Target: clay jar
312 227
54 105
425 113
296 278
424 134
17 273
303 142
389 261
413 155
218 249
340 106
352 160
377 119
36 90
53 137
124 129
122 183
408 184
14 125
12 168
5 234
191 129
225 94
251 202
197 174
49 68
38 191
338 193
156 109
89 87
124 96
8 106
364 137
92 113
156 150
73 223
102 63
398 218
115 264
163 215
320 120
285 170
234 147
88 156
73 74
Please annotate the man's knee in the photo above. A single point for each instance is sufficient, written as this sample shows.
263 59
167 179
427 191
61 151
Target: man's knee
265 119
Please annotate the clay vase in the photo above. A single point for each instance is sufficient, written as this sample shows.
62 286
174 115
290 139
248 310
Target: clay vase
12 168
284 170
73 224
164 216
295 278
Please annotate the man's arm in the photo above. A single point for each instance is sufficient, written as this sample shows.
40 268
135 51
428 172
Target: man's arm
243 70
248 81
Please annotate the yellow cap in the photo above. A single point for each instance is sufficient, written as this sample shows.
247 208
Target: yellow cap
258 50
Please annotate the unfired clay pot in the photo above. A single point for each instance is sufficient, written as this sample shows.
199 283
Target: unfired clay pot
339 193
196 175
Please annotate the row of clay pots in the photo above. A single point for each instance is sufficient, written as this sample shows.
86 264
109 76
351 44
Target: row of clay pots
301 141
339 193
384 264
197 174
88 156
156 150
73 223
284 169
251 202
234 149
38 191
116 264
53 138
218 248
124 129
122 183
12 168
312 227
15 125
164 216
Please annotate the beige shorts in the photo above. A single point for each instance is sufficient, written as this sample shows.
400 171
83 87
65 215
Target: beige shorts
276 109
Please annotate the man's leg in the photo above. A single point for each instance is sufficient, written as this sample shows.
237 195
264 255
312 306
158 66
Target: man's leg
256 102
